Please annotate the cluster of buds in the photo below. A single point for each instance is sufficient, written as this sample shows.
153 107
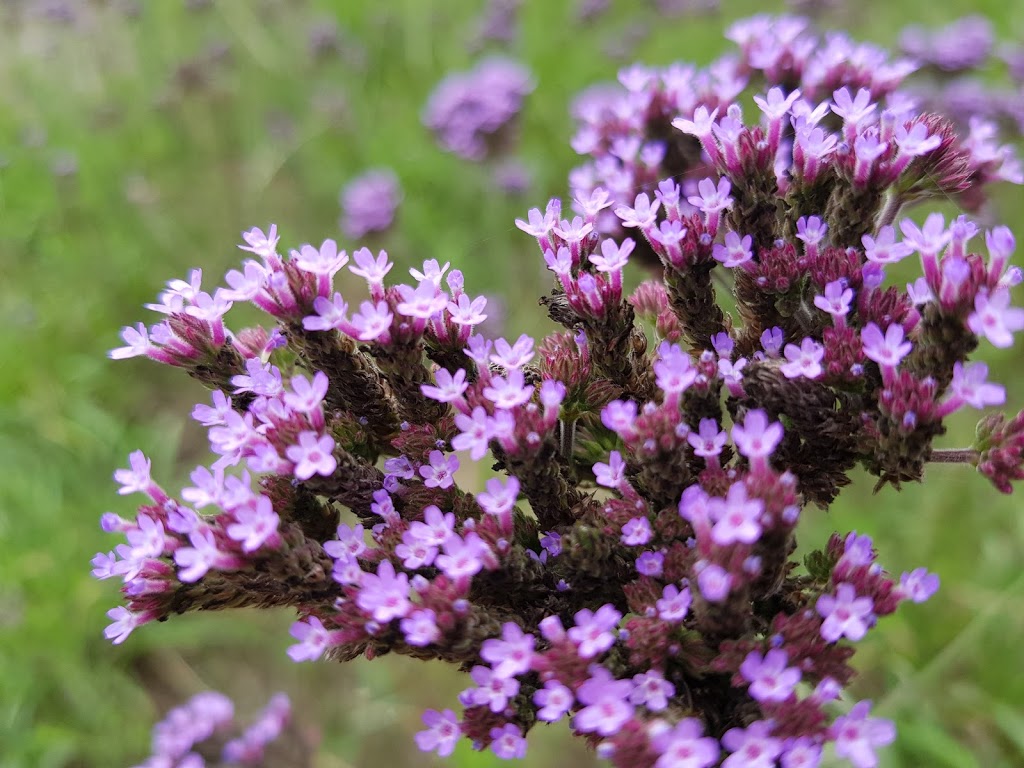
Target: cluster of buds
204 731
628 137
628 567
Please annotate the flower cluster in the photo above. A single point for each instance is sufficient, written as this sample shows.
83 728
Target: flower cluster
369 202
472 113
627 134
203 731
627 565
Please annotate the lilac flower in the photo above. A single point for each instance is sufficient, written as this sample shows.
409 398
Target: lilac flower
674 603
737 517
508 742
606 703
137 479
513 356
836 300
884 249
463 556
918 586
593 632
619 416
499 498
349 542
440 472
260 379
264 245
313 455
857 735
714 583
845 614
436 527
771 341
449 387
612 474
493 690
442 732
314 639
804 361
751 747
137 339
422 302
636 532
708 440
756 438
969 385
769 677
553 700
307 396
512 654
994 319
507 393
684 746
466 311
371 269
801 753
476 433
858 550
613 257
736 251
886 350
256 525
712 198
368 203
651 690
650 564
641 215
124 622
674 372
384 595
194 562
373 321
420 628
811 231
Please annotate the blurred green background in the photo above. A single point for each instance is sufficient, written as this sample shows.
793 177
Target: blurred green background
138 139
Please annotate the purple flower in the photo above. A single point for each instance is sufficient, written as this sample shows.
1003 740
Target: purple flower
371 269
439 473
422 302
314 455
836 300
756 438
594 631
313 639
613 257
804 360
769 677
385 596
255 525
642 214
994 319
651 690
708 441
124 622
513 356
735 252
368 203
674 603
845 614
508 393
499 498
858 550
673 371
194 562
493 690
512 654
420 628
650 564
137 479
463 557
636 532
441 734
349 543
476 433
612 474
751 747
466 311
857 735
606 703
685 746
619 416
508 742
553 700
306 396
449 387
737 517
886 350
714 583
884 249
918 586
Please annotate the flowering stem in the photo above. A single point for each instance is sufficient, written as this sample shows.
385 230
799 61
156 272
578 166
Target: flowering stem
953 456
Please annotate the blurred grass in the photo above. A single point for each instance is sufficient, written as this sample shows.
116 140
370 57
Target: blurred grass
133 148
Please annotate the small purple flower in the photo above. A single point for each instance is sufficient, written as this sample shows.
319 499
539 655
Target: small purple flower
685 746
918 586
736 251
420 628
836 300
512 654
255 525
751 747
384 595
857 735
476 433
463 557
708 440
606 703
737 517
449 387
884 249
674 603
714 583
612 474
845 614
887 350
769 677
513 356
594 630
508 742
369 202
440 472
650 564
636 532
756 438
994 319
314 639
651 690
554 700
442 732
803 361
801 753
493 690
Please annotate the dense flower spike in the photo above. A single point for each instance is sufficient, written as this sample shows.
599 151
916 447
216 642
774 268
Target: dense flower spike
628 568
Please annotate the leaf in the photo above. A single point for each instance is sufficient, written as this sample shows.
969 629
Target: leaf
934 747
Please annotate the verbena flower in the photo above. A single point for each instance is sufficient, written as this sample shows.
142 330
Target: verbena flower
626 558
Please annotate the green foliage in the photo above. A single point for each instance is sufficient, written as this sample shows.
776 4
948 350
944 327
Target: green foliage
135 148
